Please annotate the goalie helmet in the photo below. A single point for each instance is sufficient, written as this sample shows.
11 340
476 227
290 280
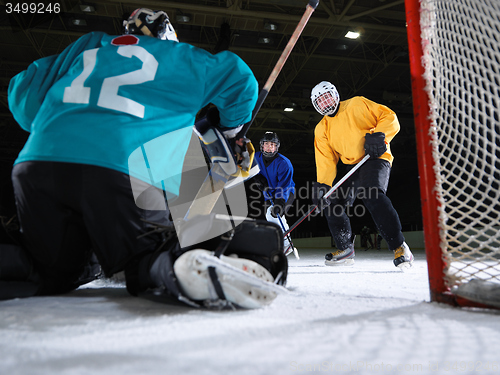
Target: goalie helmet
269 137
325 98
145 21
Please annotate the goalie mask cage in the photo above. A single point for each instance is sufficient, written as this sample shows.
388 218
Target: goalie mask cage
454 50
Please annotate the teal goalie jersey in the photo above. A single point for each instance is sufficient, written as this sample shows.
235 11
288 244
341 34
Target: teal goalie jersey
126 102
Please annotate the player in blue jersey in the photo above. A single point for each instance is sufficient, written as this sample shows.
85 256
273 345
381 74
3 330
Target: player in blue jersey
275 179
110 120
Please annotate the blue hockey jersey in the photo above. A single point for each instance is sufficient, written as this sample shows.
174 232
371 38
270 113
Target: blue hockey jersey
279 176
126 102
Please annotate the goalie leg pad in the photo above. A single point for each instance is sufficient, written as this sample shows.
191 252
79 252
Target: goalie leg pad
258 240
254 246
205 277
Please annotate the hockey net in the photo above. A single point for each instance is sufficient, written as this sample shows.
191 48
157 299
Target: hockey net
455 65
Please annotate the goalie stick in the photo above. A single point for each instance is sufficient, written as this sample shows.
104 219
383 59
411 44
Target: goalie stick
214 183
327 194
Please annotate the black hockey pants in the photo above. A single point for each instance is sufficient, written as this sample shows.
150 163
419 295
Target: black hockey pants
68 212
369 184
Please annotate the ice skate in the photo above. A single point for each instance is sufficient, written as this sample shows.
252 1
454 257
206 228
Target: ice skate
340 257
403 257
243 282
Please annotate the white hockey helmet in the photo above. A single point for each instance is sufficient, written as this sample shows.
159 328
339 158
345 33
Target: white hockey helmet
152 23
325 98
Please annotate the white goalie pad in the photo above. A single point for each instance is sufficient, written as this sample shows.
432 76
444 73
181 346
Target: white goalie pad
244 283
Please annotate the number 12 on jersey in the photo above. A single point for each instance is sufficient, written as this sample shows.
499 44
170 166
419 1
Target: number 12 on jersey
77 93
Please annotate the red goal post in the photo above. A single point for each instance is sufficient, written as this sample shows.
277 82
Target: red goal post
454 51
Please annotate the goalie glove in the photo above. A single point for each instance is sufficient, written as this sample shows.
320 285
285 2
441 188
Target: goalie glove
244 153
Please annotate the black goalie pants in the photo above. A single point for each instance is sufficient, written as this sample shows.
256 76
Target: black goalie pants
369 184
68 212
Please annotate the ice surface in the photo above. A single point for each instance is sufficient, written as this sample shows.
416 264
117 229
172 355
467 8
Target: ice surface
367 319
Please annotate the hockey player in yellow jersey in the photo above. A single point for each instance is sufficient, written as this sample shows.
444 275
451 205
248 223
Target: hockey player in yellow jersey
348 131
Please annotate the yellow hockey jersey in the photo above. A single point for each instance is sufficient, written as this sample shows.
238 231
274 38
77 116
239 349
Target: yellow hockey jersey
343 136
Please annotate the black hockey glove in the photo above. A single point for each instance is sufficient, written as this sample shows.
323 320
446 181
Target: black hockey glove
318 191
278 208
261 182
375 144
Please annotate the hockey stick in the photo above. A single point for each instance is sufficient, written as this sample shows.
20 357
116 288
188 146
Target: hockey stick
327 194
214 183
311 6
295 252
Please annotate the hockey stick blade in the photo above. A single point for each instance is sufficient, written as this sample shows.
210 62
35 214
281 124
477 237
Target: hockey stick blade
214 183
312 208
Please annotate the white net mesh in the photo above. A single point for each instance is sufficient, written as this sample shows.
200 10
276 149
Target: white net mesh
461 42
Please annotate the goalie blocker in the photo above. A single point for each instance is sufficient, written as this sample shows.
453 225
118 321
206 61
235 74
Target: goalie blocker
245 267
221 147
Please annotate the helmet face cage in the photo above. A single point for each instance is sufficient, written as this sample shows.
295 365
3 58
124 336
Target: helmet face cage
145 21
325 98
269 137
